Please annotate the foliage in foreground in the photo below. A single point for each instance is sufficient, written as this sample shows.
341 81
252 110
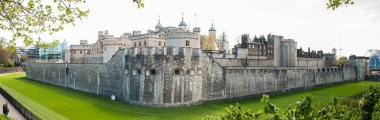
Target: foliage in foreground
368 108
4 117
23 18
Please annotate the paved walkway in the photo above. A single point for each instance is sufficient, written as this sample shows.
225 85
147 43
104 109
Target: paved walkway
13 113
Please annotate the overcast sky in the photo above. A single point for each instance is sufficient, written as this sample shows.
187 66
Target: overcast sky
355 28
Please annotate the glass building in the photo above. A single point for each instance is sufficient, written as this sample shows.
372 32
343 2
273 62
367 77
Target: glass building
55 54
374 58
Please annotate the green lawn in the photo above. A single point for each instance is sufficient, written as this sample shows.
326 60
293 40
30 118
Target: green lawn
56 103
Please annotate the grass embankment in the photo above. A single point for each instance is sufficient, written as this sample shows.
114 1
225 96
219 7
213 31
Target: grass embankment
52 102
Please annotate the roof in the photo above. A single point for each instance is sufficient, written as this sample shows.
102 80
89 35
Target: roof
212 28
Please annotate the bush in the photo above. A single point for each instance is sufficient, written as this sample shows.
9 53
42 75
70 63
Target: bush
9 63
4 117
369 102
368 108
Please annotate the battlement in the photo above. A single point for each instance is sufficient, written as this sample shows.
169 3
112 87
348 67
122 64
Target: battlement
185 51
147 35
110 42
173 35
79 47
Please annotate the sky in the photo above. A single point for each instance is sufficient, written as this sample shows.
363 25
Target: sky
354 29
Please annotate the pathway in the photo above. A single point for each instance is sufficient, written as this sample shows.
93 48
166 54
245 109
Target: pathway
13 113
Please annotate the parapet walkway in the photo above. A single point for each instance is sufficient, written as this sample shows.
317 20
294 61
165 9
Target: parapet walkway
13 113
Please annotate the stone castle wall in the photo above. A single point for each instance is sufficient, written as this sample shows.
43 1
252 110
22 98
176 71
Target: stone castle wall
181 76
102 79
256 80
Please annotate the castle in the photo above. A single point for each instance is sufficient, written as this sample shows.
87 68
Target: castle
167 67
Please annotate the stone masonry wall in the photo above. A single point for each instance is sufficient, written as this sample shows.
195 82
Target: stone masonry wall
102 79
181 76
255 80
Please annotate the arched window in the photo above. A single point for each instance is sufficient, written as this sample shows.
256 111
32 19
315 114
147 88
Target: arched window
199 71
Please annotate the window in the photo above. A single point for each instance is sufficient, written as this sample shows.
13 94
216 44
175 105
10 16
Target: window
136 72
75 52
187 43
150 72
190 72
178 72
135 44
140 43
199 71
159 43
144 43
126 71
80 52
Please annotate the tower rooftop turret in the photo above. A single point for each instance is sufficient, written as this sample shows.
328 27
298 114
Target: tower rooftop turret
182 23
159 23
212 27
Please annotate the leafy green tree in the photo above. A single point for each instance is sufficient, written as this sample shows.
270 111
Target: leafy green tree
23 58
368 108
6 54
270 109
4 117
26 17
369 104
334 4
342 61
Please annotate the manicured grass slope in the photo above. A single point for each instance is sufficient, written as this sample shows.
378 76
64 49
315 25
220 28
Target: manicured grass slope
53 102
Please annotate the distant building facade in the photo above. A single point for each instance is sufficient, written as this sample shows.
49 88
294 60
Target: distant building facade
53 54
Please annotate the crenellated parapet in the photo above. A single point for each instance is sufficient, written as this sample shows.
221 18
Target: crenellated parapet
175 35
171 51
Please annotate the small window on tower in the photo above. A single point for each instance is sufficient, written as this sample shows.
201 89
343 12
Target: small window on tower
135 44
144 43
187 43
159 43
140 43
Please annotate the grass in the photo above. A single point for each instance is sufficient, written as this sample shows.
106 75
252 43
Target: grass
58 103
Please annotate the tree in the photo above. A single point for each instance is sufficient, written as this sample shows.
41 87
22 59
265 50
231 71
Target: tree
26 17
334 4
342 61
23 58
